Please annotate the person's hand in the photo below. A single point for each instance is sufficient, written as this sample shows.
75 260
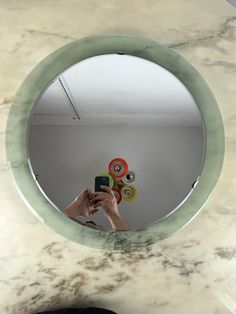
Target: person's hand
107 200
81 205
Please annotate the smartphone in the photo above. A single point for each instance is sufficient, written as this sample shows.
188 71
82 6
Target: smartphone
101 181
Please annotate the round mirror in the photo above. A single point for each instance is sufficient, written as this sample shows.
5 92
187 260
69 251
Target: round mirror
124 122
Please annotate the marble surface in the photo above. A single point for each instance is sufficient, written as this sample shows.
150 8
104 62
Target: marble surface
194 271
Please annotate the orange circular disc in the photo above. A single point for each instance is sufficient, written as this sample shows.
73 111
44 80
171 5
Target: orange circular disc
118 168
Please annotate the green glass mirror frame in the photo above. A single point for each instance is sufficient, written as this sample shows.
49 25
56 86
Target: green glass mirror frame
44 73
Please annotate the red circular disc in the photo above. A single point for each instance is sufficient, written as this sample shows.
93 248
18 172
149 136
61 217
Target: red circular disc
118 168
117 195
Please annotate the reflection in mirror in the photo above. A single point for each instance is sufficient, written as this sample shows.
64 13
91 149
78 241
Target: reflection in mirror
233 2
116 142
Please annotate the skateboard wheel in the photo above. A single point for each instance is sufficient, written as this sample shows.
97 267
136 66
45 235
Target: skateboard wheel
118 196
111 180
129 177
118 168
129 193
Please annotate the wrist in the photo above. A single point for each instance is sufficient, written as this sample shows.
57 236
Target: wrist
112 214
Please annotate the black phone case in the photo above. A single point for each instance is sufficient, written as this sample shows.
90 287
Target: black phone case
101 181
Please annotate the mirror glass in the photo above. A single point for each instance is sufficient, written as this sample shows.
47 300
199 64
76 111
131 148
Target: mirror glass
127 121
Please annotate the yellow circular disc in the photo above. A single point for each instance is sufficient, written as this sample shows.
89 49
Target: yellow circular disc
111 180
129 193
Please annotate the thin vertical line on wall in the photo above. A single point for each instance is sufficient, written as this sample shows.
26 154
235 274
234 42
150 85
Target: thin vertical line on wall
68 95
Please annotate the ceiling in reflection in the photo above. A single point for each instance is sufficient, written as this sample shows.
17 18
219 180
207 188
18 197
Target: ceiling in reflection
117 89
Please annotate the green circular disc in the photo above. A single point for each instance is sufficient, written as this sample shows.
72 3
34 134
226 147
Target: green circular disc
129 193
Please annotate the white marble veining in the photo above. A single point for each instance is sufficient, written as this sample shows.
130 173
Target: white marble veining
194 271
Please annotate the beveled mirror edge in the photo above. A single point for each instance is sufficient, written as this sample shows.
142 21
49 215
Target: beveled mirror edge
53 65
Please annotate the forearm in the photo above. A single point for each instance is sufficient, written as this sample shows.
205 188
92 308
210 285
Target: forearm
117 222
71 211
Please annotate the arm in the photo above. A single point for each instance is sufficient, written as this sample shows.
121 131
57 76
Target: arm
117 222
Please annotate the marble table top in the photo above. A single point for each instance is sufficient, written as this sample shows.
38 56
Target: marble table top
194 271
